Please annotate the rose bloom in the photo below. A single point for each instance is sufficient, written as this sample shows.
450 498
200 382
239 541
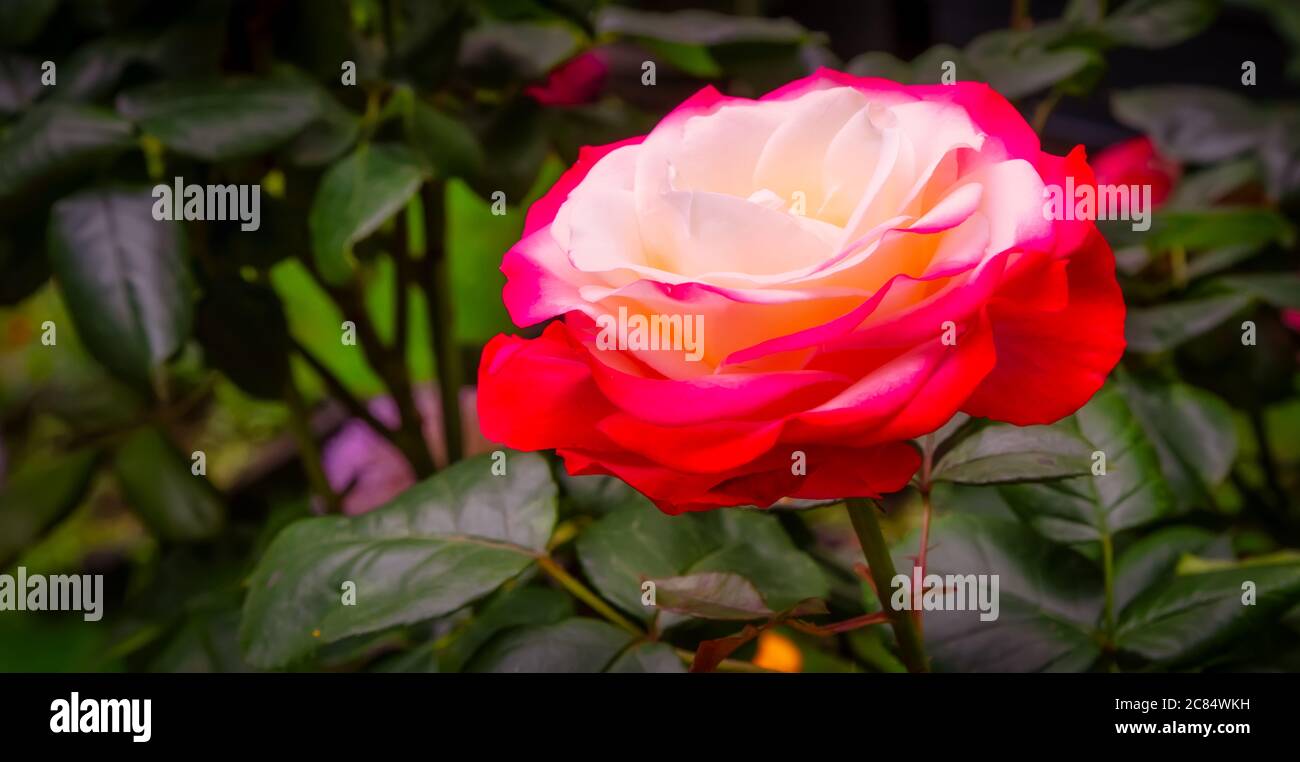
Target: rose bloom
865 259
1137 162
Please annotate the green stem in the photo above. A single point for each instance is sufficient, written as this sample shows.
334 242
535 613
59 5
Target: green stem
1045 108
580 591
309 450
866 524
1108 580
1178 266
446 352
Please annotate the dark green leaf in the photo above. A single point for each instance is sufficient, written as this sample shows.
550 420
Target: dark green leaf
647 657
1160 329
218 121
1200 190
124 279
502 52
1005 453
1278 289
1152 559
327 137
1200 614
36 496
1132 492
1049 599
1017 63
711 595
1193 432
440 545
1159 23
356 196
159 484
448 145
636 542
1196 124
1222 226
698 27
576 645
54 139
506 609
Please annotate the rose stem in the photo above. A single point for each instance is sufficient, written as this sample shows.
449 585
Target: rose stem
862 513
582 593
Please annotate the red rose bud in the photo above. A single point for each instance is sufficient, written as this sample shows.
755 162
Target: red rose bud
574 82
1136 162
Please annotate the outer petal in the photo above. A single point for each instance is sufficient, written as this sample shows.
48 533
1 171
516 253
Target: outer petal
539 394
1051 362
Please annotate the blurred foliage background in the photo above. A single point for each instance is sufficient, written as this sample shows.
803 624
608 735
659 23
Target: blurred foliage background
397 145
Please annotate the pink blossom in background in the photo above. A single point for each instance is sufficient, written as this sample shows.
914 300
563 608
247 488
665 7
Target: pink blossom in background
574 82
368 471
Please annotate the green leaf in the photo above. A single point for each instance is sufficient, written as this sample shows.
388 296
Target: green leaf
1218 227
37 495
1200 125
712 595
1198 615
1203 189
316 322
1193 432
656 658
636 542
878 63
327 137
507 608
448 145
698 27
1017 63
1153 559
476 240
1005 453
1218 260
356 196
513 51
575 645
1162 328
440 545
1159 23
54 139
1132 492
159 485
124 279
222 120
1278 289
1049 598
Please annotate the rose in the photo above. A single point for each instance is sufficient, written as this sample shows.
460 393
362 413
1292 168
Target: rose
1136 162
867 259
